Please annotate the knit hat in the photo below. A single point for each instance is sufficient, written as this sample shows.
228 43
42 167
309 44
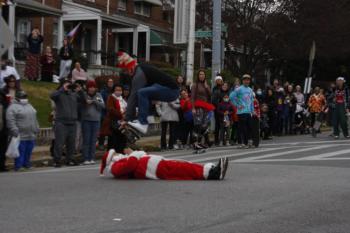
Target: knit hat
106 159
341 79
90 84
218 78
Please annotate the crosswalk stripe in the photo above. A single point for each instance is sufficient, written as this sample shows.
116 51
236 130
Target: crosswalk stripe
326 155
284 153
238 154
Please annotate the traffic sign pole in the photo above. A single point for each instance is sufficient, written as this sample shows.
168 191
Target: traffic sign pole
216 48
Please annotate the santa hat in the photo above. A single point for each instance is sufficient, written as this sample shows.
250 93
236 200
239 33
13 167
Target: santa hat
125 61
90 84
106 159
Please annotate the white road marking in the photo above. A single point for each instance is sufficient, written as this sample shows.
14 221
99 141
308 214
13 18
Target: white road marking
117 219
320 157
245 152
283 153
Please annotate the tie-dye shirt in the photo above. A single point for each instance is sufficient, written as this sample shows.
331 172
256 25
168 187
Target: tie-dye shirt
243 99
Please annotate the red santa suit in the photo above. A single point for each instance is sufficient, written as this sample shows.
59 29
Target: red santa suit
139 165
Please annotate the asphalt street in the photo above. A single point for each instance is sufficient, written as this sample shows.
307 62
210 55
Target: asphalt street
291 184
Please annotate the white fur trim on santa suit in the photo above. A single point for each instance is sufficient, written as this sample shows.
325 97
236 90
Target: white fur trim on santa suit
152 165
138 154
206 169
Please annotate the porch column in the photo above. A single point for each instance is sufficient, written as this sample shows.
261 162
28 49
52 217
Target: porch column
12 17
148 44
60 33
135 43
99 42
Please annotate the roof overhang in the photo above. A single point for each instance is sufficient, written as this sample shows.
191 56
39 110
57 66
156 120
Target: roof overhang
153 2
38 8
77 12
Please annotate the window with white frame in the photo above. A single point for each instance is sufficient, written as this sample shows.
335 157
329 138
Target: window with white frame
143 9
122 4
23 30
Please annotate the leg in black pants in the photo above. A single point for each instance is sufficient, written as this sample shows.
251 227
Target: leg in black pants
164 126
117 141
217 128
3 148
172 126
245 127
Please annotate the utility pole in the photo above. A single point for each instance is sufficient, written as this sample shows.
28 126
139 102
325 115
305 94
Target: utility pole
191 41
216 48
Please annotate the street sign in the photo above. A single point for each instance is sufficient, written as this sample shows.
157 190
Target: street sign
6 38
204 34
181 21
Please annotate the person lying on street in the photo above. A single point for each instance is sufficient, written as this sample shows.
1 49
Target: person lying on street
140 165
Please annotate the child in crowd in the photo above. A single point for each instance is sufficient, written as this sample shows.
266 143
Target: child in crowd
265 131
168 117
225 111
186 107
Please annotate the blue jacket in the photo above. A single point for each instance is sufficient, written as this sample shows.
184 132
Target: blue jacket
243 99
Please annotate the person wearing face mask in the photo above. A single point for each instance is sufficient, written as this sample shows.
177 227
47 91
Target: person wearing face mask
259 95
225 110
116 108
22 122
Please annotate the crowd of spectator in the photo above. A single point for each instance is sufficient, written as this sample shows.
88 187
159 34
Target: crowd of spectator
86 117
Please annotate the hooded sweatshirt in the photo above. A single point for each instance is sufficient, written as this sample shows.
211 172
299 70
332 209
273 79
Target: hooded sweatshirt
22 120
243 99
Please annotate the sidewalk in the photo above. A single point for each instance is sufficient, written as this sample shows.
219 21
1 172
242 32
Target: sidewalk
41 154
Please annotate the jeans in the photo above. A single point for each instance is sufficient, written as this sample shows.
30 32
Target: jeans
90 131
25 153
155 92
245 127
65 134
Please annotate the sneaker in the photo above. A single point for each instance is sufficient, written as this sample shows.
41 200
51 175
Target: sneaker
347 137
215 172
336 137
176 147
71 163
138 126
57 165
86 163
92 162
224 165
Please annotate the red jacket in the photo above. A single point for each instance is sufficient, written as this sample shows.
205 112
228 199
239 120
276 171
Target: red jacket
186 105
257 108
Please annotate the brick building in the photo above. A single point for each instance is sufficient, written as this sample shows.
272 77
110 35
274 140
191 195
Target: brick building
141 27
